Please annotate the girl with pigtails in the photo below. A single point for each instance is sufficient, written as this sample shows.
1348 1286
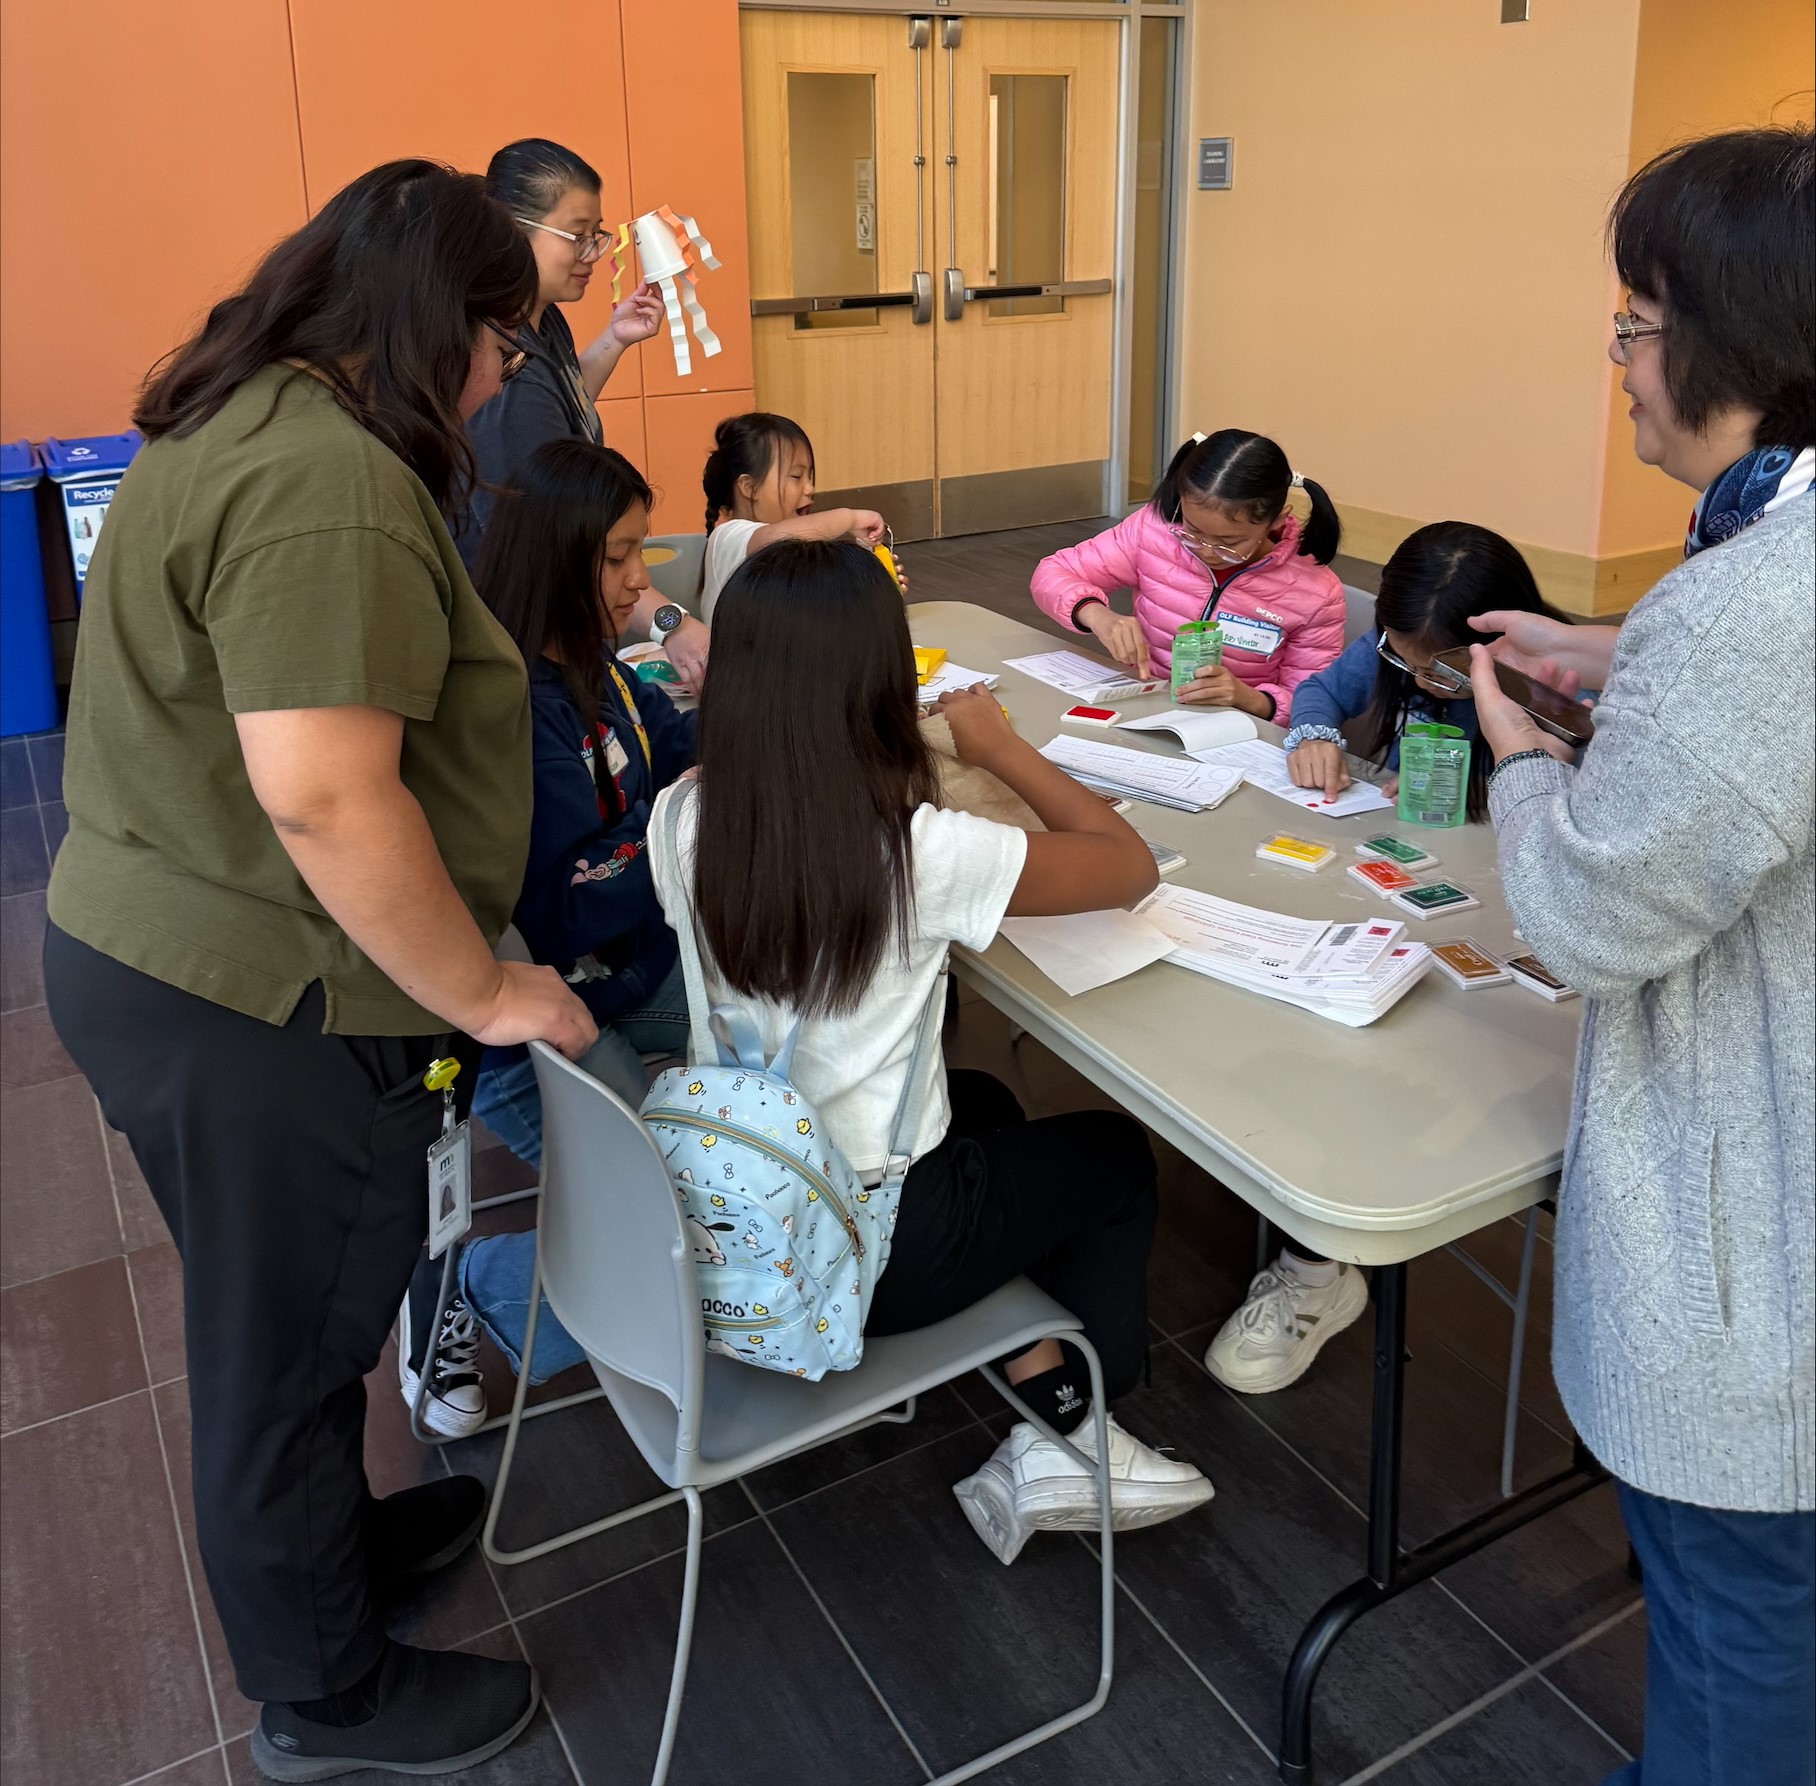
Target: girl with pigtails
1214 543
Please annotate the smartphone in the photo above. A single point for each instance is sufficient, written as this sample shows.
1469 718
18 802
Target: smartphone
1556 713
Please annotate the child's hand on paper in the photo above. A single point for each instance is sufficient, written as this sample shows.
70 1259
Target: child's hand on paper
1319 764
1121 636
980 728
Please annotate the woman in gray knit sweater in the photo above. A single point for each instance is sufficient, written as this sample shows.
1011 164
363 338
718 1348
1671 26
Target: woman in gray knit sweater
1669 878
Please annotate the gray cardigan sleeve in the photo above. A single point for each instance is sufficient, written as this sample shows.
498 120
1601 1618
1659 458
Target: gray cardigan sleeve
1626 867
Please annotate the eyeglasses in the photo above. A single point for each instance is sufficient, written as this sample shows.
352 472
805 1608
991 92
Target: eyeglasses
588 247
1628 329
1434 675
516 355
1196 542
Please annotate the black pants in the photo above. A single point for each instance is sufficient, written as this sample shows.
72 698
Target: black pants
289 1165
1068 1200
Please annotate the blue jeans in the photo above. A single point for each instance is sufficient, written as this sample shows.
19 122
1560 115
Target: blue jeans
507 1102
1731 1645
494 1277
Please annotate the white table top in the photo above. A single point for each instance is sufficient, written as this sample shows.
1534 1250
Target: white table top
1373 1145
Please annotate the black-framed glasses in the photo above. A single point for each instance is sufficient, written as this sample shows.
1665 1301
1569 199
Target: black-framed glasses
516 355
1434 675
1629 328
588 247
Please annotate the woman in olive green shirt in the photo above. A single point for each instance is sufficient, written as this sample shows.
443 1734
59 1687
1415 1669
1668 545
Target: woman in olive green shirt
298 782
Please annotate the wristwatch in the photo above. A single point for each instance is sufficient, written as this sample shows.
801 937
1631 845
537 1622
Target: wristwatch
666 619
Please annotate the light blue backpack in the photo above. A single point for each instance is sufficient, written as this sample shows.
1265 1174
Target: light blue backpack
788 1241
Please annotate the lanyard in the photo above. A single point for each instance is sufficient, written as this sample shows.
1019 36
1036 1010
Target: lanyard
624 694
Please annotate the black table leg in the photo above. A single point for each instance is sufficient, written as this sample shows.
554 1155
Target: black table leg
1390 1571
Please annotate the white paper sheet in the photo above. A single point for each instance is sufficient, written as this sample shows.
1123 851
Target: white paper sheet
951 677
1351 950
1081 677
1264 766
1170 781
1087 949
1198 729
1220 930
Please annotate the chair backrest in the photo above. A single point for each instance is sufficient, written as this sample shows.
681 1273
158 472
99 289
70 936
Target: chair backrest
1358 613
616 1265
674 567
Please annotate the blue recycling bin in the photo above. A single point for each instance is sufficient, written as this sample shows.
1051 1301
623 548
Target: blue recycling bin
86 473
28 687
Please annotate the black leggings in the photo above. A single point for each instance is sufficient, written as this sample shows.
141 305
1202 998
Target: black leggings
1069 1201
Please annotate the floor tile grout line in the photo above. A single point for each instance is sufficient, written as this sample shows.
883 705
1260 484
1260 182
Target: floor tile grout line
27 1283
880 1464
845 1644
1532 1671
1174 1645
157 1773
1608 1624
176 1517
14 1432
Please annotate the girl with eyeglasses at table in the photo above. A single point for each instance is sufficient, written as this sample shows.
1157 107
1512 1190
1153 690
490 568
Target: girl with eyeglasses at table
1215 543
1438 578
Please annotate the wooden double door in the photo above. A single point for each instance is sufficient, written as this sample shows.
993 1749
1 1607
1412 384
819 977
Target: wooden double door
933 243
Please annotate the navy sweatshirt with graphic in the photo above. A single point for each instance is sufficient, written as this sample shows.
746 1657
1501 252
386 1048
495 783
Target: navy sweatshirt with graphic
588 898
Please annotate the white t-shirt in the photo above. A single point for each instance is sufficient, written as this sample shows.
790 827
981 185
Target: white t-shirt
726 548
852 1067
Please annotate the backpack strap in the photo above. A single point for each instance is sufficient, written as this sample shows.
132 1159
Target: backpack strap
908 1110
733 1028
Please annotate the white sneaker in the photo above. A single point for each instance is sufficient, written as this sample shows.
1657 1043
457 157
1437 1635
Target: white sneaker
456 1403
1272 1339
1030 1484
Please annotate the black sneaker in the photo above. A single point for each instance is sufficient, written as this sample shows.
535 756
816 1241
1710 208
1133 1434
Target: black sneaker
418 1530
438 1711
455 1406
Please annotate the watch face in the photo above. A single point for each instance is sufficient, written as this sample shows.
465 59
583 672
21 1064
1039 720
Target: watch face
668 617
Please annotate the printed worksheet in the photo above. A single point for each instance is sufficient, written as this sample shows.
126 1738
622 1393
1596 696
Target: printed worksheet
1220 930
1264 766
1199 729
949 678
1082 678
1172 781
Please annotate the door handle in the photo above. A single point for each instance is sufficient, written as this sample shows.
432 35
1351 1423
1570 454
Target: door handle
1059 288
818 305
956 294
922 312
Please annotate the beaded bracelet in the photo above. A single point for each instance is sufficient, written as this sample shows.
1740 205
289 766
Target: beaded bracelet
1520 756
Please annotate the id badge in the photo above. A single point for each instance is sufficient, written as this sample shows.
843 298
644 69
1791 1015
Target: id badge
1240 633
450 1188
616 762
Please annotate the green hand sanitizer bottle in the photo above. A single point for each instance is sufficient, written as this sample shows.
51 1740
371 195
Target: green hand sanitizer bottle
1197 645
1434 775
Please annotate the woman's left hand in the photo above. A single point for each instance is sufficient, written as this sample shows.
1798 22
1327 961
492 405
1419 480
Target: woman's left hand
1506 725
687 647
636 319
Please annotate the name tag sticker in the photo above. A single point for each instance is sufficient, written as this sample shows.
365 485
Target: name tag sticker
615 759
1240 633
450 1188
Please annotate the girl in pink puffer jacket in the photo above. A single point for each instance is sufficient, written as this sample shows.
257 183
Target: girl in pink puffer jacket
1215 543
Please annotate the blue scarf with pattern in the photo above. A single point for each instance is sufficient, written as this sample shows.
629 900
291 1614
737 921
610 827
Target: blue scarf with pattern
1755 484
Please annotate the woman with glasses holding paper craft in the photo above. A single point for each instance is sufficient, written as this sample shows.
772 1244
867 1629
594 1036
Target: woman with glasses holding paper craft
1670 878
555 197
1215 543
1437 578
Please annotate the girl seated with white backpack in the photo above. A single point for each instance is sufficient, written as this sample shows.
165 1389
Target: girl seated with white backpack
824 885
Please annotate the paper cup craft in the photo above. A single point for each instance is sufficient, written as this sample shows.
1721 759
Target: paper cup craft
666 244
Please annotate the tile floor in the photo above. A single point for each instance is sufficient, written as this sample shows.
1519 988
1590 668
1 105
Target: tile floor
904 1646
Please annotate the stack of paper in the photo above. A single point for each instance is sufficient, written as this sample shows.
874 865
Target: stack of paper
1351 973
948 679
1081 677
1141 775
1264 766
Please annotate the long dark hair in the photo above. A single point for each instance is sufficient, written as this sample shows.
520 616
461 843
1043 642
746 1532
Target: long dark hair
1722 231
1439 576
804 874
379 294
1249 473
529 176
539 567
746 446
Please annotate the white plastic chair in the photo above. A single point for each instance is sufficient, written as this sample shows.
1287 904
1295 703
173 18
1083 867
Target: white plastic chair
1358 613
617 1268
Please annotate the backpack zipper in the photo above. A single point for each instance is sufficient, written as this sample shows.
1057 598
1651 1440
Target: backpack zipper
782 1157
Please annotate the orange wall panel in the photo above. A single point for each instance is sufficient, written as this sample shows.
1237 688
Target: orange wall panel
148 157
684 107
680 431
623 419
457 80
